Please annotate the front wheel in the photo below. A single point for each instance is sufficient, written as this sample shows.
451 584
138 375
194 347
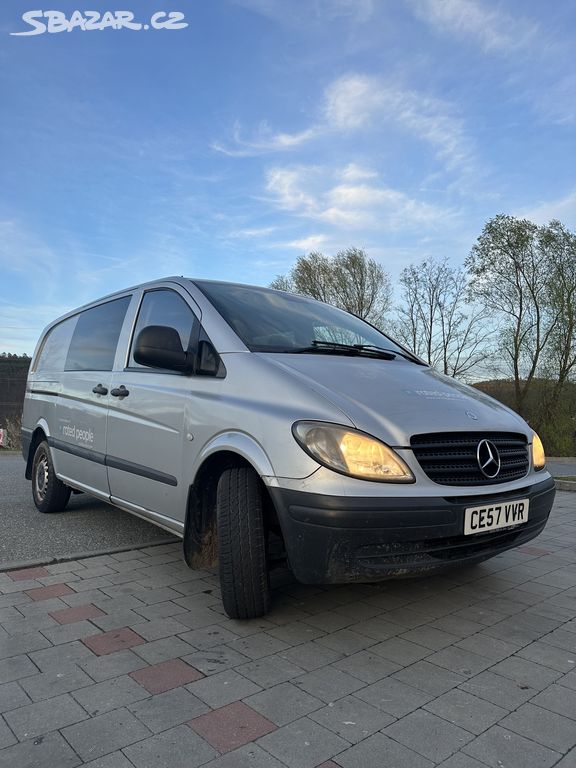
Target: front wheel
242 550
49 493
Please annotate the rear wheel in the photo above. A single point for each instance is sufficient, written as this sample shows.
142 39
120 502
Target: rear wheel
242 550
49 493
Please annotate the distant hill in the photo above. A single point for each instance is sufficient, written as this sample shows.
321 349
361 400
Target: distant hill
559 437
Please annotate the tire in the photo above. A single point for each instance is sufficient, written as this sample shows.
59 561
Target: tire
49 493
242 551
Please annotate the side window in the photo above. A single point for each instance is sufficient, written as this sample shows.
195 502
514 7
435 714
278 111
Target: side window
93 345
52 356
164 307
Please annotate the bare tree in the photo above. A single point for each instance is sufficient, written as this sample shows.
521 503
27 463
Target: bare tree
524 276
437 320
350 280
559 362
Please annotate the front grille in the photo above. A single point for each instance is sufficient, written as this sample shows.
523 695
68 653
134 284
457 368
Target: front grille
449 458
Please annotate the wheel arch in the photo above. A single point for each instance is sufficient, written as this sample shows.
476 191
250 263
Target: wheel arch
40 433
239 444
200 534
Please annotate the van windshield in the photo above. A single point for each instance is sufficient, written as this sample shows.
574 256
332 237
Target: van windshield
274 321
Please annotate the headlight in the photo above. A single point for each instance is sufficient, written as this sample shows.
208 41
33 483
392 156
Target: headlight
351 452
538 456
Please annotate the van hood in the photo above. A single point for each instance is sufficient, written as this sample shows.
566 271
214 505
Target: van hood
395 399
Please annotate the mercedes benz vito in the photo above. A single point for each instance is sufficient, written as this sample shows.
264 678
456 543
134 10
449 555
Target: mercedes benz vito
234 415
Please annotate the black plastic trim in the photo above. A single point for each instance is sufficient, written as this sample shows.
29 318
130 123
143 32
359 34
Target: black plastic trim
77 450
26 441
113 462
138 469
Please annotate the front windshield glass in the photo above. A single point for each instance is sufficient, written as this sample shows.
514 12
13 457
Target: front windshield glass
274 321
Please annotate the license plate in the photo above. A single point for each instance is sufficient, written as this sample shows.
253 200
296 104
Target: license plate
494 516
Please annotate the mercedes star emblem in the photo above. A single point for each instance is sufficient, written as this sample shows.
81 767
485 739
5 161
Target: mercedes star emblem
488 459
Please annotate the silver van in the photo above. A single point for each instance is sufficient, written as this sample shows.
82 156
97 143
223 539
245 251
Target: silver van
249 421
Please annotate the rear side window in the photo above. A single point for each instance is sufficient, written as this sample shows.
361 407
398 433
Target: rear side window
164 307
54 349
94 341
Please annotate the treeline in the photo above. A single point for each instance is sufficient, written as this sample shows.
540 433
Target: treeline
13 373
508 314
559 435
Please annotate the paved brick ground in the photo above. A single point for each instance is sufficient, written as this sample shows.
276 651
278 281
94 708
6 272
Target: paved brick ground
128 660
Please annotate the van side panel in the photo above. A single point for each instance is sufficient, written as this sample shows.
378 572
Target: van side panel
148 439
78 439
79 432
146 436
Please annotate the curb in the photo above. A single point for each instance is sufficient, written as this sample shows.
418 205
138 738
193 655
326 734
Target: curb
17 565
565 485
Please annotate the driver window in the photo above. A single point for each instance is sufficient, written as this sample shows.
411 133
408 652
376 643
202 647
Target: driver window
164 307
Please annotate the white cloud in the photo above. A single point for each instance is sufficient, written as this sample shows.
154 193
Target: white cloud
352 101
357 102
355 172
493 29
563 209
287 187
264 142
252 232
309 243
329 197
363 205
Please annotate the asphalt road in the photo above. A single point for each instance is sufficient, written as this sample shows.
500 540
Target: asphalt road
562 467
86 526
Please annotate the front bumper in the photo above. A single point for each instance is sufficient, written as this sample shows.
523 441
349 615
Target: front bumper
336 539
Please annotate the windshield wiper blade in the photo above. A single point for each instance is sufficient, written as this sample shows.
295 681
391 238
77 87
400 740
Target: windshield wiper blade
405 355
335 347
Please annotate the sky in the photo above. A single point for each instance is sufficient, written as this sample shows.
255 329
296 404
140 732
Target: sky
261 130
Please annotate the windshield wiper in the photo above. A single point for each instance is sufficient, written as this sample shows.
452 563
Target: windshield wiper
335 347
405 355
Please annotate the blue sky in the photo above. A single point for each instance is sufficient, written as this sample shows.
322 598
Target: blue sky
269 128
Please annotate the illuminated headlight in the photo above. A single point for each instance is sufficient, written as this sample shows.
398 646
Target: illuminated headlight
538 456
351 452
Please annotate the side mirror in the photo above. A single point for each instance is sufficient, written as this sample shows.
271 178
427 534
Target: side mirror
159 346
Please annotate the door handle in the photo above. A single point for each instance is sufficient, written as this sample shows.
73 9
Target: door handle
100 390
120 391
